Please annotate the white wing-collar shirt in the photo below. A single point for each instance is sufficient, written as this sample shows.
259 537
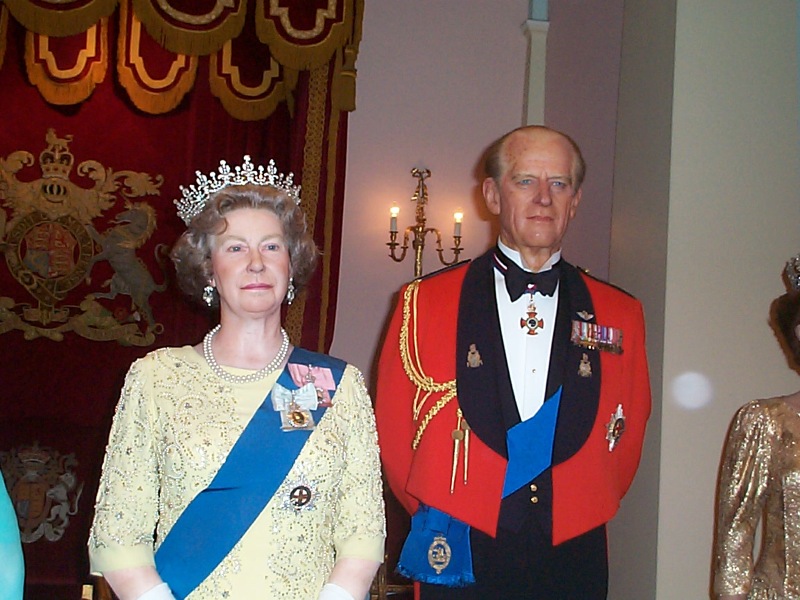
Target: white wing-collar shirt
527 356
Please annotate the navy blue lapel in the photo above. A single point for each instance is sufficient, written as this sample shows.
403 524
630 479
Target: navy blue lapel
581 395
484 392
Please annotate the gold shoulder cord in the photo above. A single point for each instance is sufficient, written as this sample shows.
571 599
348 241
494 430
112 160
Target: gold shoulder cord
413 368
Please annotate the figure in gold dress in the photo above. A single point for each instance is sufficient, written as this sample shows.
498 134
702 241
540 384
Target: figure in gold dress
760 483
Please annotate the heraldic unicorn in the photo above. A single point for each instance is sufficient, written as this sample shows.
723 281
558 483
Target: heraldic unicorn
51 241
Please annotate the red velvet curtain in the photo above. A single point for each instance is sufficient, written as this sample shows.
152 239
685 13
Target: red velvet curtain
96 134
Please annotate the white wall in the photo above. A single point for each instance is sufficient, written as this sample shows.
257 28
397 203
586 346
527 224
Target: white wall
437 82
733 222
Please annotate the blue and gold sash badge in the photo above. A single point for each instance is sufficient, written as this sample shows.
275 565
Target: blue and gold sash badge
439 554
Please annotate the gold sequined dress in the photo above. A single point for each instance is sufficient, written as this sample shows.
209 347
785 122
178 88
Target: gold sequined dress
174 426
760 477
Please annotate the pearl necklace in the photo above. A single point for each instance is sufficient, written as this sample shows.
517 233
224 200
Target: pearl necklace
250 377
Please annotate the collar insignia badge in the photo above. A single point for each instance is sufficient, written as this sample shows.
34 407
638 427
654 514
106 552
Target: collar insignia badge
585 368
474 359
615 428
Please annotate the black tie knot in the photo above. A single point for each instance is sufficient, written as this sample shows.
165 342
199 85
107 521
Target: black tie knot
519 281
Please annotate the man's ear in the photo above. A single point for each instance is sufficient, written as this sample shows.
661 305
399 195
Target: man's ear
576 200
491 195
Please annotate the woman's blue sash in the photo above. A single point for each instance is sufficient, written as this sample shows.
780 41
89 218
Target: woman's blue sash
222 513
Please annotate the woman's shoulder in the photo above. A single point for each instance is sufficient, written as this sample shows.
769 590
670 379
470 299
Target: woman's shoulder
765 412
169 354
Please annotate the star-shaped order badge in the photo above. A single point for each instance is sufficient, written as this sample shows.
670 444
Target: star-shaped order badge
615 427
299 495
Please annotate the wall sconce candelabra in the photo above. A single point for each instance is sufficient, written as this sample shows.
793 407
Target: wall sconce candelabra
419 230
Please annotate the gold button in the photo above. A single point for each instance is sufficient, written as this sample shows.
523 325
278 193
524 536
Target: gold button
534 487
534 499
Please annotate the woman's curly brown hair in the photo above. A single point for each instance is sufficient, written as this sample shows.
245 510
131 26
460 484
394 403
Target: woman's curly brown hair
191 254
785 313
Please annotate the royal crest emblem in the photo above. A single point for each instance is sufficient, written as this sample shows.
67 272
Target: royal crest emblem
52 238
43 488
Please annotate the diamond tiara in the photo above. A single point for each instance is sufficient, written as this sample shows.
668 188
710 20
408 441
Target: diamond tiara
195 197
793 272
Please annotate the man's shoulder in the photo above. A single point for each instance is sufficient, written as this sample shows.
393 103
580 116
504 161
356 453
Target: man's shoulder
445 276
602 286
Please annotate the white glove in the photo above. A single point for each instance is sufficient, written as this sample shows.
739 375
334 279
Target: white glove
160 592
331 591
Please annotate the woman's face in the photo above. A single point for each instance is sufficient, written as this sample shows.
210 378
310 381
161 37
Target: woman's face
250 263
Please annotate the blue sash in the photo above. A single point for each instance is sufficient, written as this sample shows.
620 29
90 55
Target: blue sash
437 549
530 446
222 513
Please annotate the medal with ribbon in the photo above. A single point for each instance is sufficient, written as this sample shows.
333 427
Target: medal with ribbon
295 406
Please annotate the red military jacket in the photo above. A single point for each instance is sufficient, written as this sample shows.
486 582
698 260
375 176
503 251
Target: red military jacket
442 363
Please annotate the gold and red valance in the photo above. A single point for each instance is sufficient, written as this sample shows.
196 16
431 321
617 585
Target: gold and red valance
256 49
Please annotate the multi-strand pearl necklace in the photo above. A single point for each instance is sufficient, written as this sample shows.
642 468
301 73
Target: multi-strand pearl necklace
250 377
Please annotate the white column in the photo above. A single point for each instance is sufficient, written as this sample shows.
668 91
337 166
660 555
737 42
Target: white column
533 105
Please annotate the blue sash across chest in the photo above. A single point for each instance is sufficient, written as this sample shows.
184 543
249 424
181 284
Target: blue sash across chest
222 513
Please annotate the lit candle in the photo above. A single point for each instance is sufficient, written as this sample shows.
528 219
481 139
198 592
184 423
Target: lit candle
394 211
457 216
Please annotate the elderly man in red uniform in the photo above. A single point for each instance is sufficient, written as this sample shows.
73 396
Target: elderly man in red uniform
512 398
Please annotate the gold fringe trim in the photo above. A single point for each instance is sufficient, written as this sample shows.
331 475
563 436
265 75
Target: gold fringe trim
59 23
185 41
3 33
75 91
235 100
180 80
304 58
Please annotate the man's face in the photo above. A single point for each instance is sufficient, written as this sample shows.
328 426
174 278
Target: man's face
535 199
